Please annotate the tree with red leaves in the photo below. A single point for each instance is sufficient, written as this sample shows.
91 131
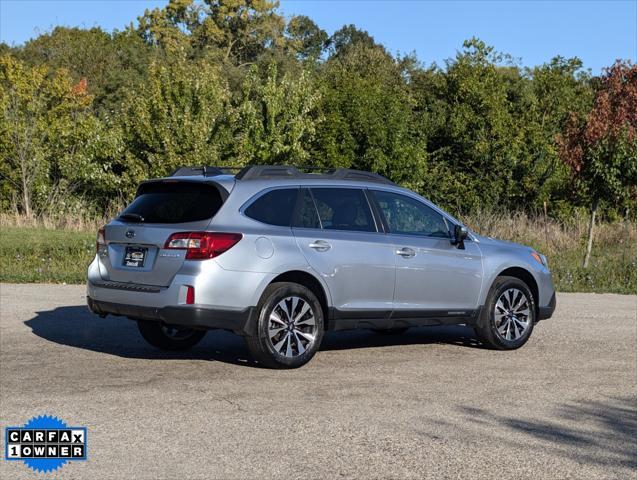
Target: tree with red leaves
601 149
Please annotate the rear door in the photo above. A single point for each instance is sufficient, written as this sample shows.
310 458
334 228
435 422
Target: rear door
338 235
135 240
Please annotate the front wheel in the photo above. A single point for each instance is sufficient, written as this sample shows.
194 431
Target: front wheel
508 317
290 326
168 337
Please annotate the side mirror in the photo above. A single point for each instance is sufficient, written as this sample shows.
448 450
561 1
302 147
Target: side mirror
460 233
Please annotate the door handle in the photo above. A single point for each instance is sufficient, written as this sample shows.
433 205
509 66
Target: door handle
320 246
406 252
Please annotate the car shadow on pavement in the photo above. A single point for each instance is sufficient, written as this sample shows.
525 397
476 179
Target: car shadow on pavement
75 326
593 432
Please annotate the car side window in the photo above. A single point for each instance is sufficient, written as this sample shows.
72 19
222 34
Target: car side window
274 207
307 216
408 216
343 209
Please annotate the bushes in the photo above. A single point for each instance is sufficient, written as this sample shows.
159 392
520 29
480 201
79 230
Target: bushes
613 266
227 84
58 251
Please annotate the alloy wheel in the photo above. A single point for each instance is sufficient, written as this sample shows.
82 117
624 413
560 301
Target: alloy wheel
292 327
512 314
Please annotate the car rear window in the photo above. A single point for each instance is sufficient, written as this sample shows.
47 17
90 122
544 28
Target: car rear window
178 202
274 207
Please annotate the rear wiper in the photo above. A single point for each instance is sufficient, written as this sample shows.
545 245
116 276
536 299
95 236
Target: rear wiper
132 216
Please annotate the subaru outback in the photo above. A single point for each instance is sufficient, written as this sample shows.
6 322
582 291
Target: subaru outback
281 255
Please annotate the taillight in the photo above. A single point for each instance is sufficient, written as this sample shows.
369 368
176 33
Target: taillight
100 242
202 245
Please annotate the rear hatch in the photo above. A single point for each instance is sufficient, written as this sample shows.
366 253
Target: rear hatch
135 239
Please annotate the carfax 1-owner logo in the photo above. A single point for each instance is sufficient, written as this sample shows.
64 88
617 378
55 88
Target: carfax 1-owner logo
45 443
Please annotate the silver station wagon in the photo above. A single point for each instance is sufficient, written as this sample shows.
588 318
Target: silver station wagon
280 256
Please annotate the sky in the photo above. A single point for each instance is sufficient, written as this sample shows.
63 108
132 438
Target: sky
598 32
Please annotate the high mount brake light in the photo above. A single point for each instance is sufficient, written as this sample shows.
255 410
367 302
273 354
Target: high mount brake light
100 242
202 245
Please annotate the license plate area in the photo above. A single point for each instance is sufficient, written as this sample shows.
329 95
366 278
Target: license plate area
135 257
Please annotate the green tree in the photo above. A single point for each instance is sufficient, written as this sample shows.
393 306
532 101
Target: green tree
305 38
601 148
24 99
178 116
170 27
239 31
49 138
242 29
276 119
552 91
475 144
108 62
90 160
368 117
348 36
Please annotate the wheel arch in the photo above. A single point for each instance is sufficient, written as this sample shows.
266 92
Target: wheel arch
528 278
313 284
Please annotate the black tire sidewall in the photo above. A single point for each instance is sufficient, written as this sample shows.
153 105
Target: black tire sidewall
270 300
491 335
154 334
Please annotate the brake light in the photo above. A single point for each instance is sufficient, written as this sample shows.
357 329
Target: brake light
202 245
100 242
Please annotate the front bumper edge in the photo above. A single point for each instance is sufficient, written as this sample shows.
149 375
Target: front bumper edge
544 313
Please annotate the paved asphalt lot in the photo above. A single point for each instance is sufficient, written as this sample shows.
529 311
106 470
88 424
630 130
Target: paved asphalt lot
427 404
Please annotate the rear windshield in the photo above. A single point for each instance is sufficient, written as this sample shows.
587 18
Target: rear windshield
178 202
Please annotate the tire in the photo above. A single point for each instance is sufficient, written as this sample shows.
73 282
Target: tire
166 337
512 325
390 331
288 333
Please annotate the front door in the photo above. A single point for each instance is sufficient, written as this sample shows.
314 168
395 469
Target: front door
433 277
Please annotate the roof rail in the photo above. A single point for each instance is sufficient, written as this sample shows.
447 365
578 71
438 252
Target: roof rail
206 171
262 172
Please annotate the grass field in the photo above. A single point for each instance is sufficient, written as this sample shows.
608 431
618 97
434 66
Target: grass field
38 254
30 255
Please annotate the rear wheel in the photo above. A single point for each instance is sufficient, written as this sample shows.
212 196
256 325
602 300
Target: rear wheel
290 326
169 337
508 316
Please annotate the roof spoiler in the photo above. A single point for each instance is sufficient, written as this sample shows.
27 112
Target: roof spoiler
206 171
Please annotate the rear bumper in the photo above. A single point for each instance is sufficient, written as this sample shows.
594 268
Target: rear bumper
241 322
547 312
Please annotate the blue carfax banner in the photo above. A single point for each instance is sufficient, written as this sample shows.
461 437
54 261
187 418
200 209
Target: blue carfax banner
45 443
